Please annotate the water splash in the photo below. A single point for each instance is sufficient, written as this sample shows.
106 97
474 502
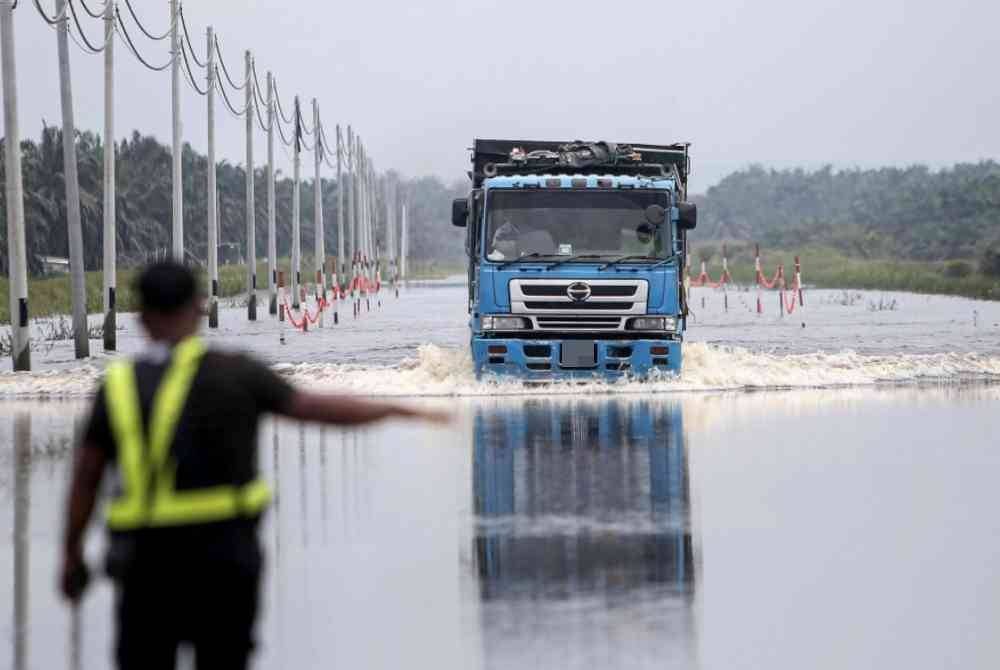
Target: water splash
438 371
441 371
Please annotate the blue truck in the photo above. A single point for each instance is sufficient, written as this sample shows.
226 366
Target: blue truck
575 258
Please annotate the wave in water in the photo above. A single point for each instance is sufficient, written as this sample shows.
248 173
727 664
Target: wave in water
438 371
448 372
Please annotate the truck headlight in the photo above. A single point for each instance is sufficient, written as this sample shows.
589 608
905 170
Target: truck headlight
503 323
660 323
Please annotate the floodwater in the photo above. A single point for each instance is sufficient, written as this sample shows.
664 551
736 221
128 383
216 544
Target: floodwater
842 514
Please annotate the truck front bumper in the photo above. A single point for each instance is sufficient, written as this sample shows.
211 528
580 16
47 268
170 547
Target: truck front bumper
541 360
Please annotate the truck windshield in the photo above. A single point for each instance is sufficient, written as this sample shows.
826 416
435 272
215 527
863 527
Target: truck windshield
565 223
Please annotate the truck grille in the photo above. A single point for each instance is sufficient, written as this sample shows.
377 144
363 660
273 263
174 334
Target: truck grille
587 306
559 290
590 323
611 298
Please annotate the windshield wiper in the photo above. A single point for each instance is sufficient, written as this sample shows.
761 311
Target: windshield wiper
573 259
624 259
668 259
529 257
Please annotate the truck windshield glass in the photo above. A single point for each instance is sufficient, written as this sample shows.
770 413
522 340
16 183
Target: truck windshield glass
563 223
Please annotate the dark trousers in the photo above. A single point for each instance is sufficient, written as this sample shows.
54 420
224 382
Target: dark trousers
211 607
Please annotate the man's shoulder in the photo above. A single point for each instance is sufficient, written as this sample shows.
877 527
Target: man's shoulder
234 362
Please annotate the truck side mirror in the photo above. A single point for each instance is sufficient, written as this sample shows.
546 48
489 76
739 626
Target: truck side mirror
687 216
460 212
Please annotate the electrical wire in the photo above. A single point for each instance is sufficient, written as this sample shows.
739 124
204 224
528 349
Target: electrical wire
281 133
135 52
83 35
260 121
303 145
326 143
302 123
187 38
325 148
225 96
225 70
52 21
190 73
277 98
155 38
256 85
96 15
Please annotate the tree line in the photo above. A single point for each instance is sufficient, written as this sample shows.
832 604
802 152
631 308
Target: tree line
913 213
144 205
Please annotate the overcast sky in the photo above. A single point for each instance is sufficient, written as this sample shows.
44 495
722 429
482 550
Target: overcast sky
780 82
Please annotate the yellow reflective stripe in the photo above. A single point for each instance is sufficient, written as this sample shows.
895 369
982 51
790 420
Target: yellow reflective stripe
167 507
214 503
121 396
168 403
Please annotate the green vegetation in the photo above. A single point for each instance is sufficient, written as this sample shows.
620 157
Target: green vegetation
48 296
899 213
830 268
143 206
989 264
911 229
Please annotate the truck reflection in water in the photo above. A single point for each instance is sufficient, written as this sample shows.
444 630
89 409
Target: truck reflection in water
583 542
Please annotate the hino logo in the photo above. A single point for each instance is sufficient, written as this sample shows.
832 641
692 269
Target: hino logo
578 291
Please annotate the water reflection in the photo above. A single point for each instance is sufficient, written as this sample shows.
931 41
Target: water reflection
22 503
583 544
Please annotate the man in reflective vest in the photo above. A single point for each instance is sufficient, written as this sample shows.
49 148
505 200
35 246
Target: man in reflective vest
178 426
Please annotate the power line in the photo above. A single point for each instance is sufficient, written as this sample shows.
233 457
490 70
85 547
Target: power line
256 85
55 21
155 38
326 147
281 111
52 21
191 77
83 35
281 133
302 124
260 122
225 96
187 37
225 70
135 52
98 14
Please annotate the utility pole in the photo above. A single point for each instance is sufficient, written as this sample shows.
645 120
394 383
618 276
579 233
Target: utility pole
213 202
352 247
177 230
251 254
404 245
20 350
71 180
362 201
340 210
109 262
319 242
272 245
296 207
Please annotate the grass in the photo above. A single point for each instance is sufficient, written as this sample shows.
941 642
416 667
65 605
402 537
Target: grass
50 296
828 268
821 266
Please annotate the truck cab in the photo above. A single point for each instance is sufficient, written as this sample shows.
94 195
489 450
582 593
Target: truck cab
575 256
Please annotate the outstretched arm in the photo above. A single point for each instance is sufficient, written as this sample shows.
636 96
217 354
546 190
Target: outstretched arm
344 410
88 470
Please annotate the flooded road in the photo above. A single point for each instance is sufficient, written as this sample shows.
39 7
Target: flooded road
666 525
829 529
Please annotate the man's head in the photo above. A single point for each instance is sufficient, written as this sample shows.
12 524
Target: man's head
170 304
